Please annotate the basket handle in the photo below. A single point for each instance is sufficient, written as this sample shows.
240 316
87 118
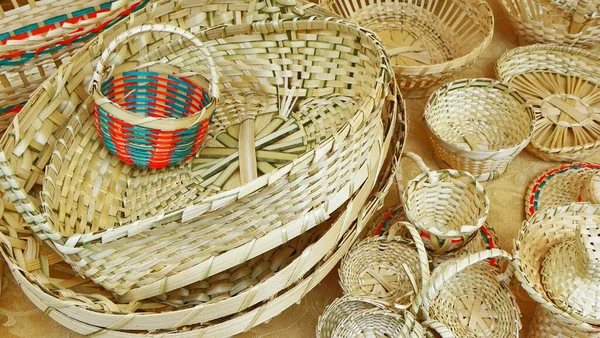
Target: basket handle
423 260
446 272
398 175
438 327
125 36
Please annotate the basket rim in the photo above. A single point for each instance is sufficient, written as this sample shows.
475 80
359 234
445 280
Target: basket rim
458 84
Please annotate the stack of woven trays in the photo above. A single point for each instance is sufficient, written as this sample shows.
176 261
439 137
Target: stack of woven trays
38 36
163 240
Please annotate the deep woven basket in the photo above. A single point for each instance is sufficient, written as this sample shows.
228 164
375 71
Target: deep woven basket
392 269
36 37
543 236
153 116
571 23
427 41
478 125
561 83
447 206
471 298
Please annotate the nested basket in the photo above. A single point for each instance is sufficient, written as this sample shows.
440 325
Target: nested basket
427 41
391 268
153 116
310 142
36 37
571 23
478 125
556 255
471 298
447 206
561 83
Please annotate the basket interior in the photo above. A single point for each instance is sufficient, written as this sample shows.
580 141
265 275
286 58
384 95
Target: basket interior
420 33
479 118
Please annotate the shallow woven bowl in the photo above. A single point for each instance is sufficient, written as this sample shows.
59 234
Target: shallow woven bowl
36 37
478 125
428 41
545 229
562 85
570 23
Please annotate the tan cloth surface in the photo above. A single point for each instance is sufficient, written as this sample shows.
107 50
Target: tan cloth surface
20 318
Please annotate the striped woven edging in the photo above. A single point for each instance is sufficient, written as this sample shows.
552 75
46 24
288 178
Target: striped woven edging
545 178
12 109
21 56
387 219
154 95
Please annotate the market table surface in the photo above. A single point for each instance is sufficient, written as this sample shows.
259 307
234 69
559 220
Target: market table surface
20 318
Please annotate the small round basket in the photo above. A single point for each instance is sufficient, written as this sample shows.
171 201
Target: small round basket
342 308
471 299
556 255
561 83
379 323
387 268
566 22
447 206
478 125
153 116
427 41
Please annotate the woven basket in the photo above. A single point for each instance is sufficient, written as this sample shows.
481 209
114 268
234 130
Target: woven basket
447 206
561 83
153 116
342 308
379 323
478 125
312 164
387 268
556 258
591 190
86 308
470 298
544 325
427 41
572 23
38 36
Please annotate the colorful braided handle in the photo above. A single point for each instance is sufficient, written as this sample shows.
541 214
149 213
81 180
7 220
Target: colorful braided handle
134 118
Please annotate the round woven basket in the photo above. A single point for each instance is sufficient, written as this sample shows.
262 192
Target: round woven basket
87 308
379 323
447 206
471 299
157 115
314 143
342 308
571 23
427 41
478 125
387 268
561 83
556 259
38 36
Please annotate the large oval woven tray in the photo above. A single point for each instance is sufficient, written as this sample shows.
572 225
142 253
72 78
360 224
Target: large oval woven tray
237 220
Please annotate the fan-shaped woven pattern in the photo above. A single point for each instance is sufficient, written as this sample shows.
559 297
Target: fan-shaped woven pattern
36 37
563 86
571 23
478 125
427 41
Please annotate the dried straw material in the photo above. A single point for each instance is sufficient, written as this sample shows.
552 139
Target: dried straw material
540 263
87 308
207 200
379 323
478 125
342 308
565 22
471 299
559 186
38 36
447 206
545 325
563 86
387 268
591 190
427 41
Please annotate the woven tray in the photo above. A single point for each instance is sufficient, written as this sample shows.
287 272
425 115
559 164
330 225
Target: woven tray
91 309
38 36
561 83
572 23
559 186
215 231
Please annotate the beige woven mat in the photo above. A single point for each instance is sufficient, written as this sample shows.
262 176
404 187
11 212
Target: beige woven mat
20 318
